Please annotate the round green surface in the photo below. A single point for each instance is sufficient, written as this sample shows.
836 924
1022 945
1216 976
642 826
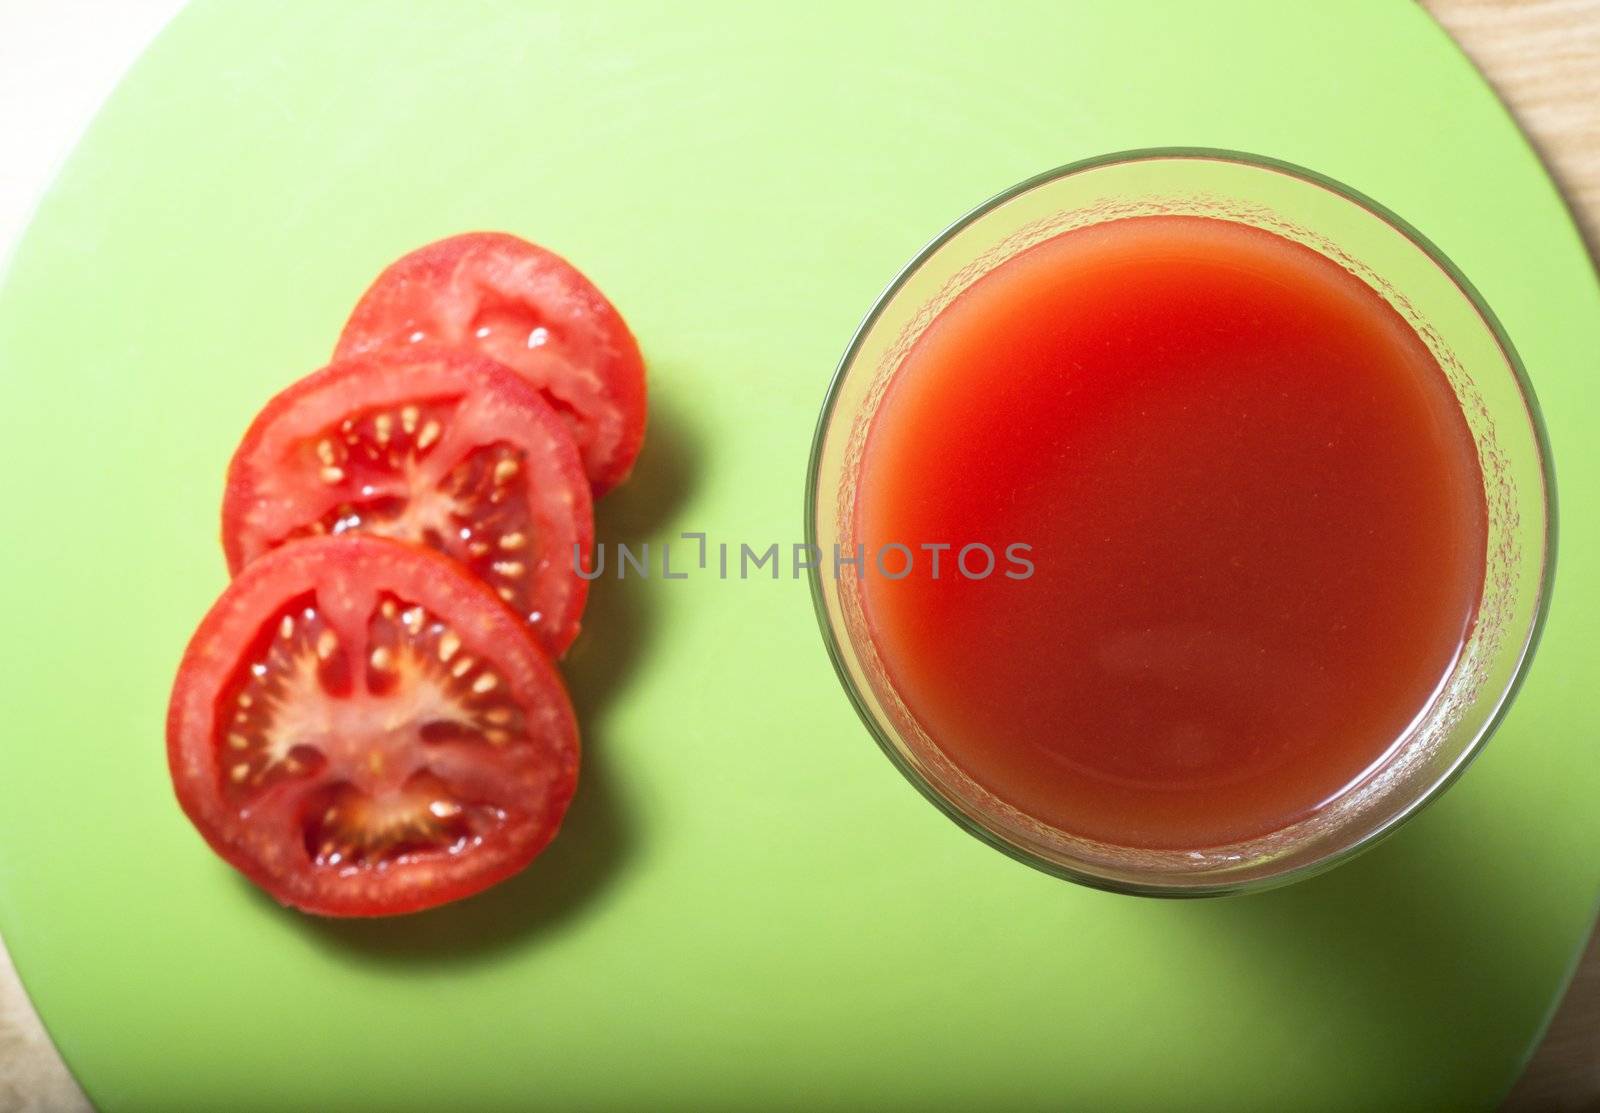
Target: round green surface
749 907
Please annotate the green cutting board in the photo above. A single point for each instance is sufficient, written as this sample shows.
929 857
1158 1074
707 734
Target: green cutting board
749 908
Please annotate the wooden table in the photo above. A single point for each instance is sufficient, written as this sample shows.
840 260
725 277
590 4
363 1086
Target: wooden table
1544 58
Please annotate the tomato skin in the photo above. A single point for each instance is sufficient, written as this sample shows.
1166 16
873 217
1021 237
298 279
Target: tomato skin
269 488
588 363
346 573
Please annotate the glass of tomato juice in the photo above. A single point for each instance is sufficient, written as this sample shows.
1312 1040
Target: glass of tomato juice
1182 522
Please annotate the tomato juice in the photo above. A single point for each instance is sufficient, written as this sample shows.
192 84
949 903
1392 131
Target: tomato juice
1256 521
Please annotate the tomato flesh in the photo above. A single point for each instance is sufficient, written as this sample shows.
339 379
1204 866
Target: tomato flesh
363 729
531 310
436 447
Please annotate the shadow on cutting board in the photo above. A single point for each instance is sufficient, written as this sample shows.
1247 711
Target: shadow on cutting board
1423 959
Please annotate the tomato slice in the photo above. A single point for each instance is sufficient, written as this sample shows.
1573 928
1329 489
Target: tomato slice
363 729
437 446
534 312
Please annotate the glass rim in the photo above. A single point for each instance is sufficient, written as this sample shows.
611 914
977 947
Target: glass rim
1505 696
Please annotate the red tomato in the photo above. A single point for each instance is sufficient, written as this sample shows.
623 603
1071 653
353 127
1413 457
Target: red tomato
436 446
534 312
363 729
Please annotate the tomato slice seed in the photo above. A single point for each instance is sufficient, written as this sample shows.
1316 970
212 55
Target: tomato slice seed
344 826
